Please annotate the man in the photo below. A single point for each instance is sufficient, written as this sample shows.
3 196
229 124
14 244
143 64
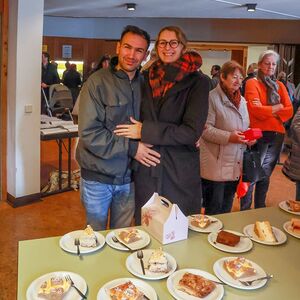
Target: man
49 76
108 98
215 75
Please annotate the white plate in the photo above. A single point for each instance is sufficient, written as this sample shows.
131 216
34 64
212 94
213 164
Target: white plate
32 291
283 205
224 276
173 280
133 265
67 242
141 285
280 235
143 242
244 245
215 226
287 226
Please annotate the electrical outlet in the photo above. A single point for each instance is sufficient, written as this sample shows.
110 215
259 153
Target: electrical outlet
28 108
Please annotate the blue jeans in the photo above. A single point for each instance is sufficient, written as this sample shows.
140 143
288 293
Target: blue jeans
218 196
269 154
98 198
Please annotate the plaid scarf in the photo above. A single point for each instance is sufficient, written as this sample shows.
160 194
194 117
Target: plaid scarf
273 97
234 97
163 76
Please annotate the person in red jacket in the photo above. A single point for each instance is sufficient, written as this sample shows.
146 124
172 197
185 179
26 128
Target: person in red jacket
269 106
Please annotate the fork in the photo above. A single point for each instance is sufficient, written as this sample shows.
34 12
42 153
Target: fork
77 243
69 279
115 240
249 282
140 256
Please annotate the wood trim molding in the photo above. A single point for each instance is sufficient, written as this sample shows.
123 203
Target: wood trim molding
21 201
3 88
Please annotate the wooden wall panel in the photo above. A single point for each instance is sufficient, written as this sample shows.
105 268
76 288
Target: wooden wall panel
87 50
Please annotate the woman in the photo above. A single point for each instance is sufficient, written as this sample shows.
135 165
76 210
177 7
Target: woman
291 167
222 143
173 113
269 107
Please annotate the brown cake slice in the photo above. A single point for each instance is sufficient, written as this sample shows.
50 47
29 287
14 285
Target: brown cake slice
228 238
294 205
195 285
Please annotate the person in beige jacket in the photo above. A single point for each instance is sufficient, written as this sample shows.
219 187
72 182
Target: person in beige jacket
222 143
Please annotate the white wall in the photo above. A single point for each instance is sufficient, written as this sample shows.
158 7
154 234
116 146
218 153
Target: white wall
253 53
24 75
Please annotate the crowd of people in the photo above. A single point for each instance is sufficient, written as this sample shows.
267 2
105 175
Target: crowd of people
169 128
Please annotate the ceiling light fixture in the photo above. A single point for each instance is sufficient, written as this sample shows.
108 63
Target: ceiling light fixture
251 6
131 6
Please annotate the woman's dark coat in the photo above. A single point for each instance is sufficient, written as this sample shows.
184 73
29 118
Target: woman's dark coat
173 125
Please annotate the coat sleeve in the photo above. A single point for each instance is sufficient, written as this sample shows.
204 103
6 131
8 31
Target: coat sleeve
211 133
95 137
192 125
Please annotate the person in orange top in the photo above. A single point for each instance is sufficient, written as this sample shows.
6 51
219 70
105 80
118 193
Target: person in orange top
269 106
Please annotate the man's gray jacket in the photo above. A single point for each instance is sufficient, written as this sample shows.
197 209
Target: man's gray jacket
108 98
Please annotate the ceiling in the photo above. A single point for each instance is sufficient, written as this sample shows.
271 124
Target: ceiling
266 9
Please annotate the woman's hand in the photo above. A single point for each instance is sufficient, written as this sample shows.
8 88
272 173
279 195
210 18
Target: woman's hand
251 143
146 156
131 131
237 137
256 102
276 108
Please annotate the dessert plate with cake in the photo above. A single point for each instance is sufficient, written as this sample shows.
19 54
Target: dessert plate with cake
203 223
233 269
158 264
293 227
89 240
193 284
264 233
291 206
126 288
134 238
55 286
230 241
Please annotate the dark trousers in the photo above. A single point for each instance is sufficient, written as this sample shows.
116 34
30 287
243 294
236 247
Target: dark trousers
269 154
218 196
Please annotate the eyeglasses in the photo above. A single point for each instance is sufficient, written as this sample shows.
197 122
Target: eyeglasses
173 43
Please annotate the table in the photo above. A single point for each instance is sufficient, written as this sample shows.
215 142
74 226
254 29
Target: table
59 136
38 257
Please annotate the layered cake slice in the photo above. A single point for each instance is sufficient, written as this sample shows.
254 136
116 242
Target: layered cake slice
295 224
200 221
88 238
54 288
129 235
158 262
195 285
228 238
126 291
239 267
264 231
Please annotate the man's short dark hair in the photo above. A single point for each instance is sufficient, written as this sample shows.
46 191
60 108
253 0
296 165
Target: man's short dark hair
216 67
136 30
46 54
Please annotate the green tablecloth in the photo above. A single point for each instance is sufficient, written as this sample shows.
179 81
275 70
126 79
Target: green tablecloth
41 256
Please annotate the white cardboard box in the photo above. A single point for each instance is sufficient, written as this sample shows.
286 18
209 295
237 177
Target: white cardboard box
164 220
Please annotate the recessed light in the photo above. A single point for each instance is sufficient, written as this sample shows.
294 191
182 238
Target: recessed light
131 6
251 6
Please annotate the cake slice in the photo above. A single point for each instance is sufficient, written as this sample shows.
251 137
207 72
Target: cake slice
126 291
129 235
264 231
295 224
294 205
195 285
88 238
200 221
228 238
54 288
158 262
239 267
